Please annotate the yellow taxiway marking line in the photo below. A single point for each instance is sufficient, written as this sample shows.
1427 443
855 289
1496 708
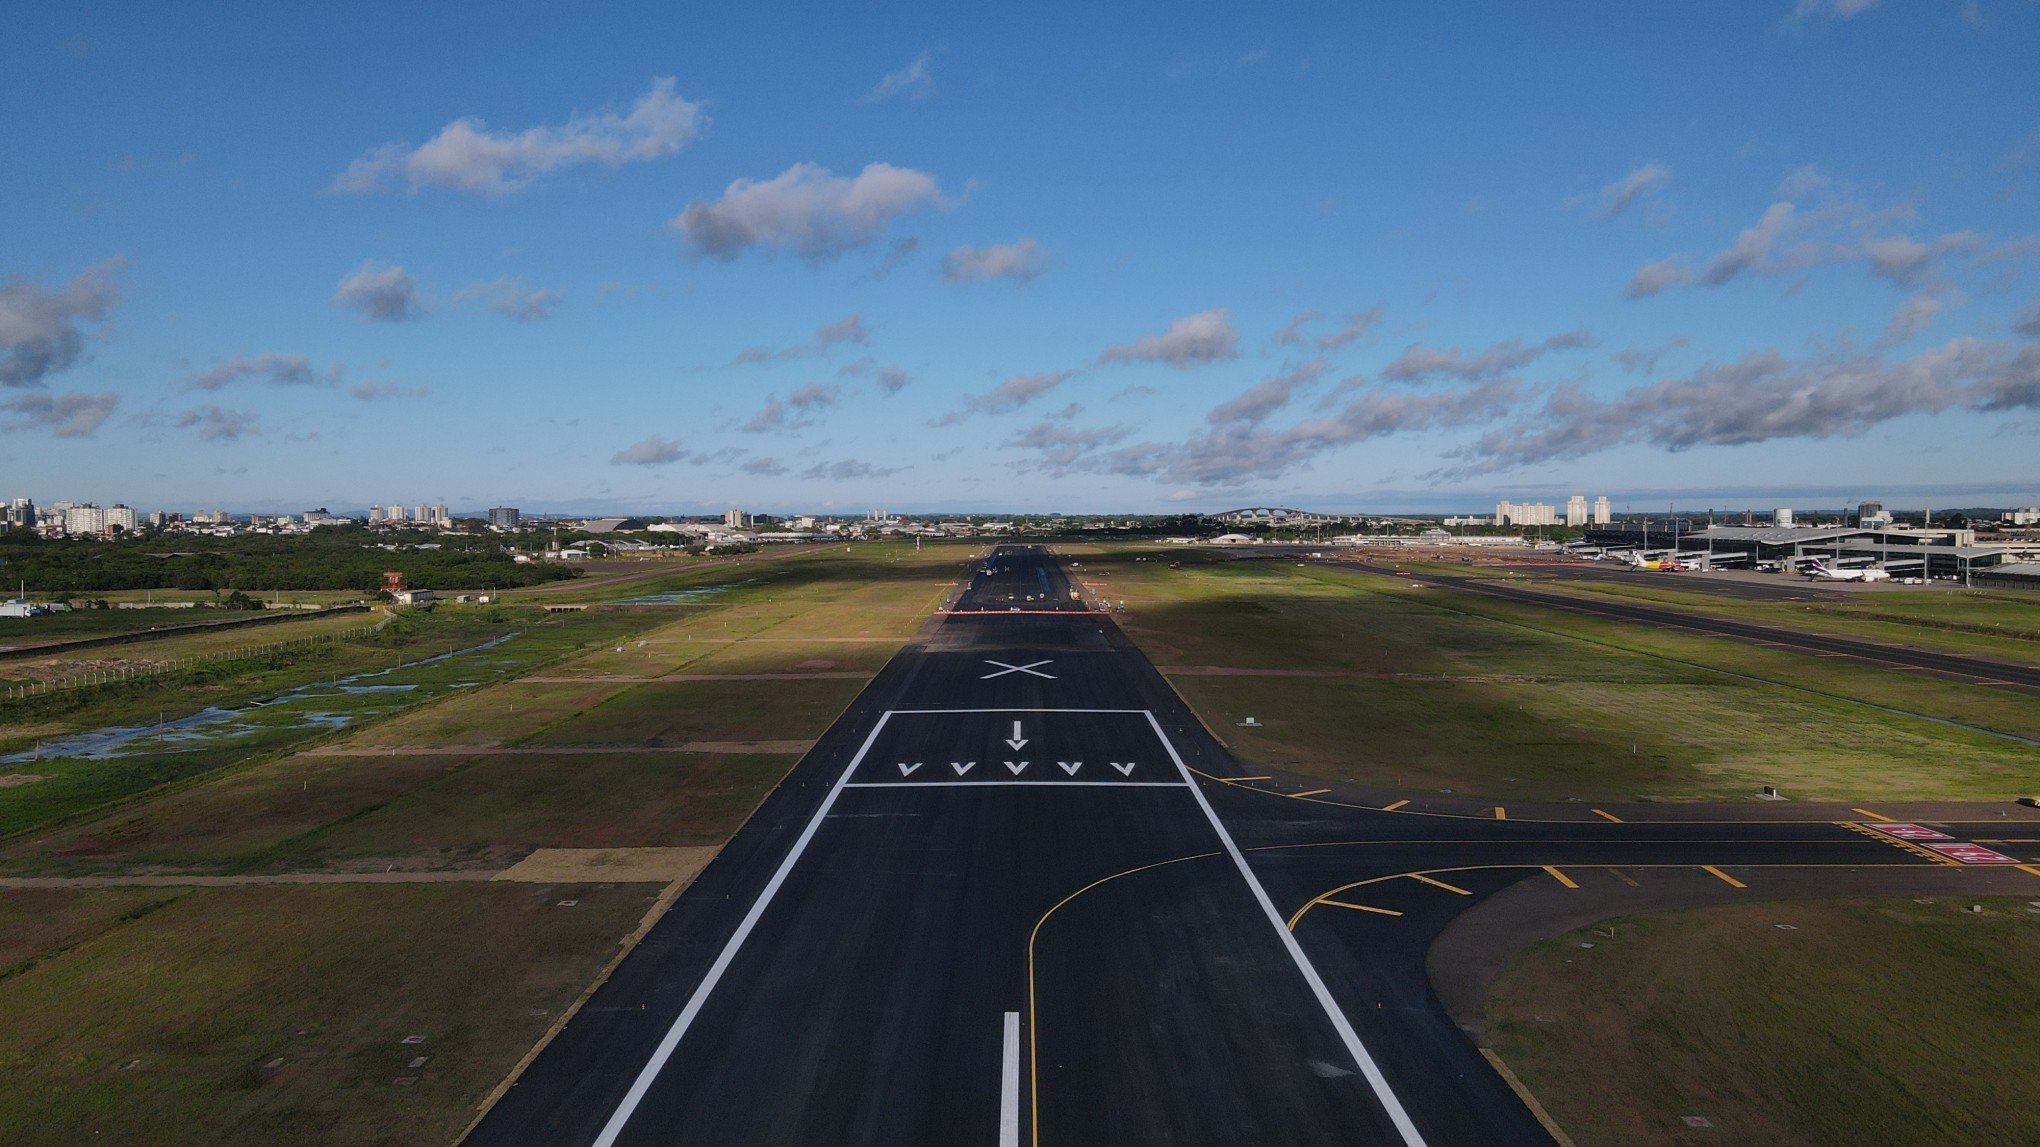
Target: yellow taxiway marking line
1240 780
1393 807
1311 793
1435 883
1623 877
2029 868
1361 907
1872 815
2008 840
1724 877
1033 1049
1501 813
1606 815
1561 877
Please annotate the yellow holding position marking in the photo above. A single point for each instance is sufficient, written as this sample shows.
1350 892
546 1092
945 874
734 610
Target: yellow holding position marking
1725 878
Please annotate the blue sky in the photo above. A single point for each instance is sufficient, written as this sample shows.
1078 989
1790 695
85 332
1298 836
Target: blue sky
657 258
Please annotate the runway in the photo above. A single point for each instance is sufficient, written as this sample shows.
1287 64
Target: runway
1012 897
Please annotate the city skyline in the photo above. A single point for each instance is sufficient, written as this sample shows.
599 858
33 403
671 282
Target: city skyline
666 263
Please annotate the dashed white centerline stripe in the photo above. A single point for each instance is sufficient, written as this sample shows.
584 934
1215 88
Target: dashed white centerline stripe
643 1083
1009 1085
1354 1047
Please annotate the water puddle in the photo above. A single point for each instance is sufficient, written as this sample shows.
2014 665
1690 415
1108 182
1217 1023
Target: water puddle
308 708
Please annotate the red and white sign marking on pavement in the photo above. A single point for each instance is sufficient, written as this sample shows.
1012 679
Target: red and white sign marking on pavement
1969 853
1911 832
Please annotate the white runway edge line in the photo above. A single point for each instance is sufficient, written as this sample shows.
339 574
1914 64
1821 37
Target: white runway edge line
643 1083
1009 1085
1354 1047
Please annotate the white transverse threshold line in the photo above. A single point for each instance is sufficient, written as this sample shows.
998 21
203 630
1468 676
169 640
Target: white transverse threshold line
643 1083
1009 1085
1354 1047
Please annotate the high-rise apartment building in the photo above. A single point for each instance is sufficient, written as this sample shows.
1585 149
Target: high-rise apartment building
1602 515
1576 510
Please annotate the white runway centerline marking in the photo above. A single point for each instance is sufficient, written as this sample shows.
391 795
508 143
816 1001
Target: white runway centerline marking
1009 1084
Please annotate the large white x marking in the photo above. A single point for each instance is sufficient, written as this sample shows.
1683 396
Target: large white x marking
1031 668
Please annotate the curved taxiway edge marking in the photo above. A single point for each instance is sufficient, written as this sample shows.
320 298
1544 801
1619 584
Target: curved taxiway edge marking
1033 1054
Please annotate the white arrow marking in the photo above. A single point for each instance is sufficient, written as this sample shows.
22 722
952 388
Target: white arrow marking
1032 669
1016 768
1125 770
1016 742
907 770
1071 767
962 767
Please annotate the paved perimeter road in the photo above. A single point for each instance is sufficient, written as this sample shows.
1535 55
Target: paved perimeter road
1015 896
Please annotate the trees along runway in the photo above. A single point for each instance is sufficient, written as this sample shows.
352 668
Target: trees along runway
1018 894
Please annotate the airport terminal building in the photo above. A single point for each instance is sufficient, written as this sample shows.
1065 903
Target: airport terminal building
1900 552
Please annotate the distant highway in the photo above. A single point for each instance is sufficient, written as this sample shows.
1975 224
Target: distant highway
1018 895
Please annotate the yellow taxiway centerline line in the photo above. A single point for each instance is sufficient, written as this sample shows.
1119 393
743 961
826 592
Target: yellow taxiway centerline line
1561 877
1501 813
1606 815
1724 877
1362 907
1439 884
1393 807
1311 793
2029 868
1872 815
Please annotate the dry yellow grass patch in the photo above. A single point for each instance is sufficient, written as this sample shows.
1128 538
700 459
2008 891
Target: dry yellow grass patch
608 865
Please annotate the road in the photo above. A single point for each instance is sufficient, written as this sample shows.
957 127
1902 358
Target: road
1017 894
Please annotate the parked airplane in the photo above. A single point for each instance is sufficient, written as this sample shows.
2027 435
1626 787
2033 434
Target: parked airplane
1819 569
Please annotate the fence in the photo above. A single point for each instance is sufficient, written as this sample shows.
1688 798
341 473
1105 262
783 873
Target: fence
121 674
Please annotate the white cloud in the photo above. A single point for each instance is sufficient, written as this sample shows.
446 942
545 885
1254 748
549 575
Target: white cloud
848 469
1207 336
507 296
213 424
2029 322
383 294
1355 329
64 415
912 81
1751 248
1654 277
277 369
1419 362
767 467
846 331
1912 317
653 451
384 391
1626 192
1012 394
797 410
1265 398
1020 262
468 156
1291 332
889 379
807 210
1831 9
1905 260
39 327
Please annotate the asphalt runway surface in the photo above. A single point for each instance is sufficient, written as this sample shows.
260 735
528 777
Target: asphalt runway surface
1974 670
1017 894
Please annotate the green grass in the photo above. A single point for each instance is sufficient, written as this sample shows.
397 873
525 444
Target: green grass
1427 688
161 1030
671 714
1885 1021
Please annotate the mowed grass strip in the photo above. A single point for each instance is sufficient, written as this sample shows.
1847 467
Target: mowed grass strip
205 1022
674 713
1425 688
1885 1021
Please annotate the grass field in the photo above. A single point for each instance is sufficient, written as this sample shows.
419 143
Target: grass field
1888 1021
1402 687
275 1013
279 1015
